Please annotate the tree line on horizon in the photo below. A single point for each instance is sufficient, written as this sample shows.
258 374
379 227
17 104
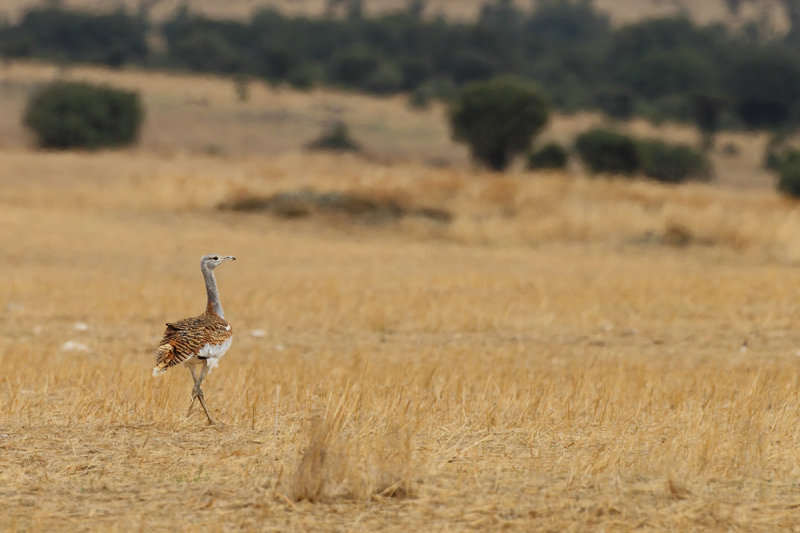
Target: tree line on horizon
666 68
500 75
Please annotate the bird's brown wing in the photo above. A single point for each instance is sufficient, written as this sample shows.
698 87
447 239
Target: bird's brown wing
183 340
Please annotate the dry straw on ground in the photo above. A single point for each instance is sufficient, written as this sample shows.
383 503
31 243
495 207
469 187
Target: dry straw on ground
554 358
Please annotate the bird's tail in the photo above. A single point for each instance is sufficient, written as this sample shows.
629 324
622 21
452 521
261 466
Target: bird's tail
164 356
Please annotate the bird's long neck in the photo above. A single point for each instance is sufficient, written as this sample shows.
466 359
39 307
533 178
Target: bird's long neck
214 305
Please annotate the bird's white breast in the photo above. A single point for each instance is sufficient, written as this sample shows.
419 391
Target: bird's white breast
212 353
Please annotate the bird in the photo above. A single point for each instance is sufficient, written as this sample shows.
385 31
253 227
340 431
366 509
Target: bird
198 341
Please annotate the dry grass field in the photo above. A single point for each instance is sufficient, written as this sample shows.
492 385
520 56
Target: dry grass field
567 354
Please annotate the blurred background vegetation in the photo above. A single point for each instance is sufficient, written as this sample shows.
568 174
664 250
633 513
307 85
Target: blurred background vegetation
663 68
719 76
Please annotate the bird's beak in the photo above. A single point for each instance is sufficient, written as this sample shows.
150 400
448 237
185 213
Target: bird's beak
230 258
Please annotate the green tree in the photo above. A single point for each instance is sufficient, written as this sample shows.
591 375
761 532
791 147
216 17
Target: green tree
81 115
498 118
56 33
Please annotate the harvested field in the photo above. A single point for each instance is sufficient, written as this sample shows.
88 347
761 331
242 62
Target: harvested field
565 354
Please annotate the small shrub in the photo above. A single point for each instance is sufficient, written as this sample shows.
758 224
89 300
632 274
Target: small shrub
789 177
779 152
80 115
337 138
671 163
549 156
786 162
606 151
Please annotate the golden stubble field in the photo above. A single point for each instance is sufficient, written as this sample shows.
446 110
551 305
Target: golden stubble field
567 354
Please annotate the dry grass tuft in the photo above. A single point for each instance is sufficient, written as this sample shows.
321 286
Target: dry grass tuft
353 458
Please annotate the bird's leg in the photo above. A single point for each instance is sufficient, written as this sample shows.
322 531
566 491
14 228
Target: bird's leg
194 390
199 391
203 404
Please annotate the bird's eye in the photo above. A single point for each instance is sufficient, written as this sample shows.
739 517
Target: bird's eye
215 258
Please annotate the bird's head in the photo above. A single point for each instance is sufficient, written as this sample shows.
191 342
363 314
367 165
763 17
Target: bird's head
212 261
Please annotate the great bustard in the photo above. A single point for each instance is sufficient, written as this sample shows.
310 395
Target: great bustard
200 340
